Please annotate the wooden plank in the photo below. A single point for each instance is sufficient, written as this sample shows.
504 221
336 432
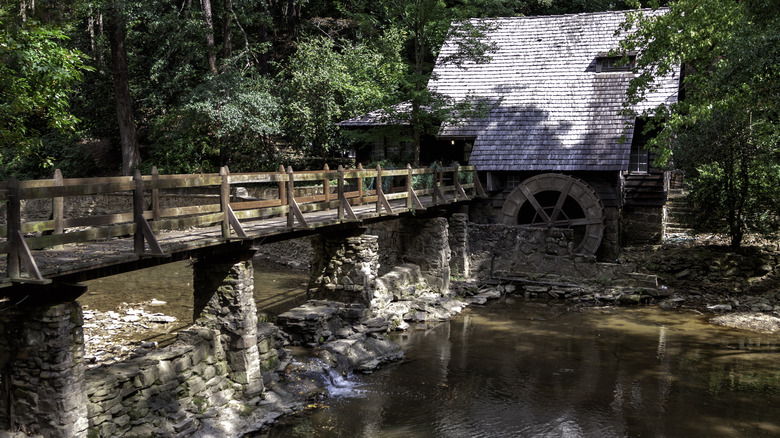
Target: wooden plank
188 222
235 223
395 196
43 183
224 200
58 205
27 259
261 213
155 194
315 176
14 224
255 178
89 189
80 236
249 205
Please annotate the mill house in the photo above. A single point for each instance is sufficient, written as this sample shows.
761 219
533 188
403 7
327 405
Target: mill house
555 148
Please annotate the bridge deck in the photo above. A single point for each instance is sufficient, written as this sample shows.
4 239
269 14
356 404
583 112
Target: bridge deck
245 228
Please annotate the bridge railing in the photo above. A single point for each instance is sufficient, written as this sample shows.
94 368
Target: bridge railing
339 190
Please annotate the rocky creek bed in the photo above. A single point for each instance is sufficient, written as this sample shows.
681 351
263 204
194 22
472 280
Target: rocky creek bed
735 290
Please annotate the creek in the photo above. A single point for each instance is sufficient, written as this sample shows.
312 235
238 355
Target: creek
533 369
518 367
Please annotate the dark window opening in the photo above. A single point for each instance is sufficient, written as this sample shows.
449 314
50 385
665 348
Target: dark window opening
640 156
615 63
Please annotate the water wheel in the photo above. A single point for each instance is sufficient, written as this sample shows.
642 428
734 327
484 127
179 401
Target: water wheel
560 201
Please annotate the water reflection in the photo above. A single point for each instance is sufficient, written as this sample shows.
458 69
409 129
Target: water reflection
527 369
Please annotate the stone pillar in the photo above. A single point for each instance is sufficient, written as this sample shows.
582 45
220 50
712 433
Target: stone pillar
426 244
344 268
224 302
42 370
458 232
609 250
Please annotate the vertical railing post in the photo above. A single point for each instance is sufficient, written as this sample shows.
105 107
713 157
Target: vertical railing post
455 183
326 186
138 212
378 187
58 207
14 218
282 189
409 187
155 194
360 183
340 190
290 197
224 199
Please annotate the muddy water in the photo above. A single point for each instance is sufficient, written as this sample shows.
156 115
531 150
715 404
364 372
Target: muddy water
276 289
525 369
529 369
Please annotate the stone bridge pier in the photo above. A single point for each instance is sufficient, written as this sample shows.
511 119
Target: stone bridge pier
42 370
344 267
224 302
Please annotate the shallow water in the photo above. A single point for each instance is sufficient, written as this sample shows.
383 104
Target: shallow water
522 368
528 369
277 289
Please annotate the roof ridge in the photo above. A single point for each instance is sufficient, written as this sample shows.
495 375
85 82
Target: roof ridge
553 16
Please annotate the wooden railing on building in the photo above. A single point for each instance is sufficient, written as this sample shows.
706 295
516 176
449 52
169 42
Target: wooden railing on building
144 221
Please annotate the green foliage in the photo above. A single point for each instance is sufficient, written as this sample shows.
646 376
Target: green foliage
226 117
329 81
724 132
38 76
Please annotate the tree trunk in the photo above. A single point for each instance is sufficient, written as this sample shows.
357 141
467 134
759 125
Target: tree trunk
263 35
227 32
212 57
124 109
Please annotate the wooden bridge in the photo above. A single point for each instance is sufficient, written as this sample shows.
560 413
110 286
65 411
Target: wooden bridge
64 250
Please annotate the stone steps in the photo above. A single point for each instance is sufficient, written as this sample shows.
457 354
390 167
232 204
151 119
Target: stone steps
677 212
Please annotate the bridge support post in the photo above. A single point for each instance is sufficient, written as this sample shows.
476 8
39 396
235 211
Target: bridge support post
42 371
224 302
458 234
426 244
343 268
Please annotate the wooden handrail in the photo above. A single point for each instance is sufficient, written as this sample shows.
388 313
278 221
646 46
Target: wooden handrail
149 215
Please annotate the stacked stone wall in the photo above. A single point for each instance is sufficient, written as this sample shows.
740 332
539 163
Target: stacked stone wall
343 268
42 371
458 235
426 244
642 225
174 391
388 235
224 302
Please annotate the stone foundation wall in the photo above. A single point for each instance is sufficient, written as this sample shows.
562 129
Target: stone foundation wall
426 244
515 249
174 391
388 235
224 302
343 268
458 235
642 225
609 250
42 371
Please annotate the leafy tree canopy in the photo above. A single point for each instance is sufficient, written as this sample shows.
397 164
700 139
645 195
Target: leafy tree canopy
38 76
724 131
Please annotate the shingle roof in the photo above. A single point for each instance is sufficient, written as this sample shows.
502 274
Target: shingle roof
554 111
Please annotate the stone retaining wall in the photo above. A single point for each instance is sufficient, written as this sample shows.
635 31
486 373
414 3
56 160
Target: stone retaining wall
42 370
174 391
642 225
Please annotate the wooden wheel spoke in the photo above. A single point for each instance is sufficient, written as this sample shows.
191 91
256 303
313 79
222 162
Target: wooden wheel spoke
579 222
561 199
539 209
